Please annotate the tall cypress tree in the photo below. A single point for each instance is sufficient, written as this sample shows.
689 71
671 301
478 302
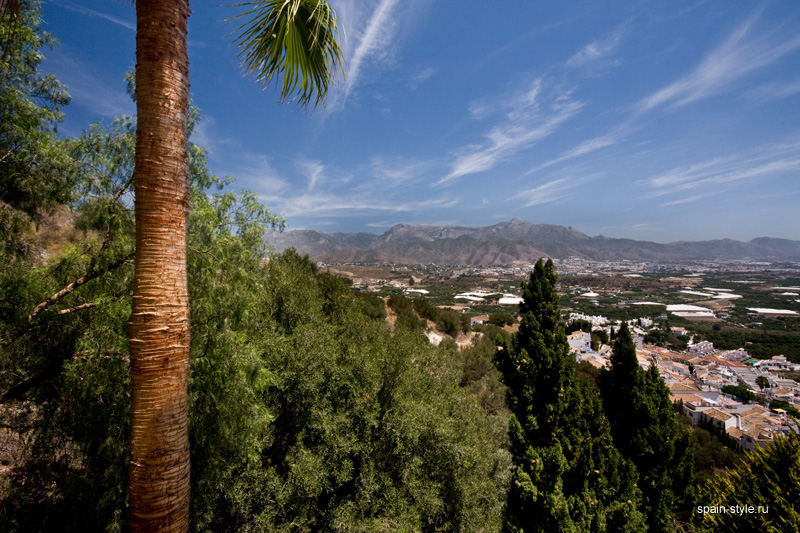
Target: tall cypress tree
567 474
644 430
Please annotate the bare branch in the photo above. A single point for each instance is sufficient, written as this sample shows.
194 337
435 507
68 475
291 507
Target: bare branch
206 252
77 308
69 289
123 189
74 285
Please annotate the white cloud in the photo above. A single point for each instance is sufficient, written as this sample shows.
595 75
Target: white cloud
711 177
526 120
548 192
597 52
255 173
370 36
378 187
776 91
203 134
526 101
586 147
686 200
91 91
398 171
569 181
735 58
418 78
313 170
323 204
72 6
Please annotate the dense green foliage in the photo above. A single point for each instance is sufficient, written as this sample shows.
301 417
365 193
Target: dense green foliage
501 319
479 374
413 313
790 409
306 414
371 304
711 451
406 316
643 425
35 173
448 321
741 393
769 478
567 474
760 342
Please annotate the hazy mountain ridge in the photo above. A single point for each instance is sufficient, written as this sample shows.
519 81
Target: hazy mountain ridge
512 241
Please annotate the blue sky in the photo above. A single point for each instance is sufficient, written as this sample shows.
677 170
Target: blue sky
657 120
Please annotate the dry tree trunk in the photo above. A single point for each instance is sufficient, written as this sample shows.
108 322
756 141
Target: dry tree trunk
159 327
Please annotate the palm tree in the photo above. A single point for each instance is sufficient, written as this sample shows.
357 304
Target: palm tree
158 483
295 39
292 38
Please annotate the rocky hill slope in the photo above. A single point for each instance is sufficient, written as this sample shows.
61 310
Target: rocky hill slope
512 241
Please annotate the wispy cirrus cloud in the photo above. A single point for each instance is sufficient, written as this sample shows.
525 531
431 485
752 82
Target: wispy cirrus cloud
83 10
526 118
547 192
326 204
776 91
371 29
392 172
255 173
205 134
687 199
90 90
598 53
332 192
562 188
314 170
587 147
715 176
526 101
419 77
739 55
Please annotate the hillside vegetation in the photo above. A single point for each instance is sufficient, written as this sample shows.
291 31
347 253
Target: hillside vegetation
307 412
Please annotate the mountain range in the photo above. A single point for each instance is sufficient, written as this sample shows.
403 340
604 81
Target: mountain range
513 241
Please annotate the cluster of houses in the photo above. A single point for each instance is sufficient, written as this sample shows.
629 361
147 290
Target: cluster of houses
750 426
696 376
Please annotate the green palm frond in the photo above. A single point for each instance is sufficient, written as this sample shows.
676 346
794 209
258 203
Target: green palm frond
294 39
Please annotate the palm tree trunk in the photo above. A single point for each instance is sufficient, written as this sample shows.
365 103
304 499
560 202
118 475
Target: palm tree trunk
159 327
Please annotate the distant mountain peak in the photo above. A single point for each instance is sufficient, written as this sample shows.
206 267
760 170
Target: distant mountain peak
515 240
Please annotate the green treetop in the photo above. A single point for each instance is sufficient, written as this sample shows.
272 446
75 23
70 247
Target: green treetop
765 485
643 426
567 474
33 163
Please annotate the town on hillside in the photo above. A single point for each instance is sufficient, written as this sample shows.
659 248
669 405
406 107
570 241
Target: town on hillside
724 336
716 388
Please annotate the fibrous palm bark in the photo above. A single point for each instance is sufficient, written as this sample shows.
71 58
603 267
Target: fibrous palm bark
159 326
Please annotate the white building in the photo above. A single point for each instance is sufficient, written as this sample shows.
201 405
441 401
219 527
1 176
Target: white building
579 340
596 321
701 348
